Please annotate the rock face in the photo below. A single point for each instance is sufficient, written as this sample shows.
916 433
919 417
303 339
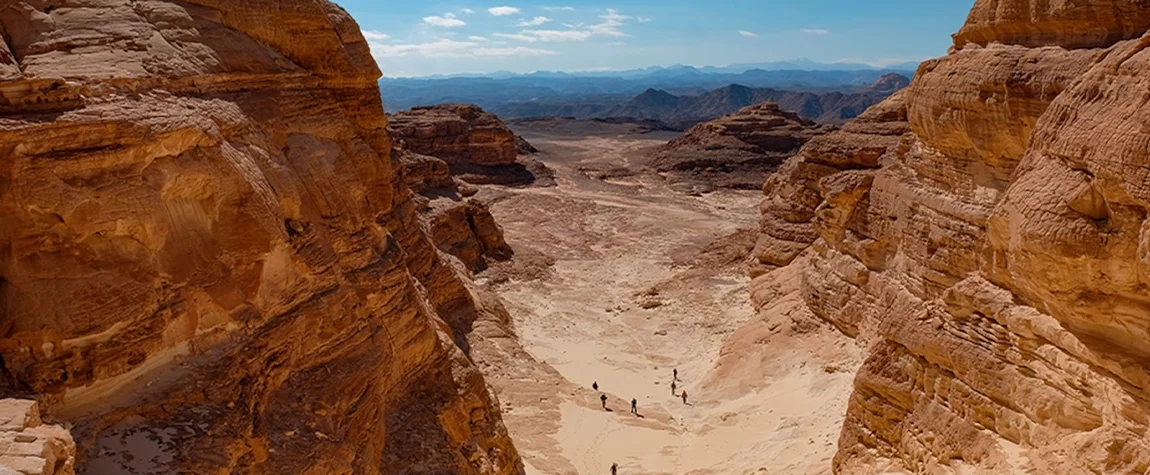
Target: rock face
476 145
28 447
211 263
736 150
984 236
460 226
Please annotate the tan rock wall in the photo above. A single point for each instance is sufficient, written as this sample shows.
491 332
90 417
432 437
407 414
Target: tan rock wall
209 264
28 446
989 256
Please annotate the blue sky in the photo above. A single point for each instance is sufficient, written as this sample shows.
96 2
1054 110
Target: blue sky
417 38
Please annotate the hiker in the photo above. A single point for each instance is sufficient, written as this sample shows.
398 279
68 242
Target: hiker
595 385
673 388
614 469
634 406
676 374
603 398
684 396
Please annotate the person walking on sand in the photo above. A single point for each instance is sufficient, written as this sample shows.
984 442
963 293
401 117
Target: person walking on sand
673 393
614 469
676 374
595 385
603 399
684 396
634 406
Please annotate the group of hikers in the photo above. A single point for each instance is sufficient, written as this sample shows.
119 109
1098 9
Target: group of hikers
635 404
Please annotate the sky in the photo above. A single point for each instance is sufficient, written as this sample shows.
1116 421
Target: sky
429 37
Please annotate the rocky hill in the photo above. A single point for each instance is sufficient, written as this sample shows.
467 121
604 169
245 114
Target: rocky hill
212 262
983 237
737 150
477 147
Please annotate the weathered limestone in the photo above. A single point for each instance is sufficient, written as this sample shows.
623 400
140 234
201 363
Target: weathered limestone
28 447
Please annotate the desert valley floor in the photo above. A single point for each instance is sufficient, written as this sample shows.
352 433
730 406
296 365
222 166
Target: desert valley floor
618 279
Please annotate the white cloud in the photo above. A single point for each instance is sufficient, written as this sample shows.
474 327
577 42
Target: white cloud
516 51
612 20
610 27
451 48
478 38
815 31
551 36
559 9
468 11
539 20
517 37
373 35
448 20
643 19
503 11
748 34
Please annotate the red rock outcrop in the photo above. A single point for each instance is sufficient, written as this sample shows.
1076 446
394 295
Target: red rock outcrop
210 263
990 251
736 150
476 145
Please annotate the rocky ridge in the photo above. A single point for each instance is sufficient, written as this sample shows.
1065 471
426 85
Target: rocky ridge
737 150
983 236
213 263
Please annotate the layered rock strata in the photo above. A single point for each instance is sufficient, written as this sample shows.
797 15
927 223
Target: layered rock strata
477 146
211 263
736 150
983 236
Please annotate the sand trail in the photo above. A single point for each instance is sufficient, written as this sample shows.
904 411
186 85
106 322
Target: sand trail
613 285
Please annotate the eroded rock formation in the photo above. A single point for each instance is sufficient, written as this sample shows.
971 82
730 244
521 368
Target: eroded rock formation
736 150
210 262
458 225
984 236
476 145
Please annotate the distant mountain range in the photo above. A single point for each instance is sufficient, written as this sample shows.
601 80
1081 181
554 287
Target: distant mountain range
679 69
587 94
684 110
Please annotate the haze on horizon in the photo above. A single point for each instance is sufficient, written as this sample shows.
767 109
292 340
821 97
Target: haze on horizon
467 36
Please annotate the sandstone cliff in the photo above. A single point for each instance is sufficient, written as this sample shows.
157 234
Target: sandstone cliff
984 236
737 150
210 262
476 145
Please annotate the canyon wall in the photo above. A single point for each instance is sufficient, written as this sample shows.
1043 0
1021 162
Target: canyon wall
984 236
209 260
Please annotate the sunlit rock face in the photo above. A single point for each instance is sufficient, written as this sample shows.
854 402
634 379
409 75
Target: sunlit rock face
984 236
208 261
